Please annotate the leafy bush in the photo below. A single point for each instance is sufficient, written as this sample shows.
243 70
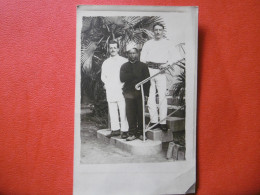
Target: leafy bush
95 36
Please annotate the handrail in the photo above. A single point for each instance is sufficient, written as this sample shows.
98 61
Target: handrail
137 86
149 128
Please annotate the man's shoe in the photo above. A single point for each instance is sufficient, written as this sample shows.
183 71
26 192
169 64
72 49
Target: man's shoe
141 137
131 138
124 135
113 134
164 127
155 127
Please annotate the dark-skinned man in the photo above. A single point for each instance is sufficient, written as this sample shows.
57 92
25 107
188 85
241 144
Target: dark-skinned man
132 73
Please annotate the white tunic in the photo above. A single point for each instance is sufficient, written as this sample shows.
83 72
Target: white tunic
110 75
159 51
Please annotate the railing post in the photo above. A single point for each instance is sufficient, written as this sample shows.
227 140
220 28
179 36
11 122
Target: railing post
137 87
143 104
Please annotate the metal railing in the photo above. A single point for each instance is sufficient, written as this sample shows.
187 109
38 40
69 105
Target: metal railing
140 84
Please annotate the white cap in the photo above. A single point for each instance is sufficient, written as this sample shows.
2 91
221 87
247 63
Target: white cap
131 45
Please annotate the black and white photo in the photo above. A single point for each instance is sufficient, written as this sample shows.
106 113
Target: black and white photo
135 110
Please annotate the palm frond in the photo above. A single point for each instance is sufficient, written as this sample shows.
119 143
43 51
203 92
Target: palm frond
148 33
95 36
87 54
147 22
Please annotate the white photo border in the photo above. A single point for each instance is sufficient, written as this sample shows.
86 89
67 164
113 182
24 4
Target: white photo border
141 178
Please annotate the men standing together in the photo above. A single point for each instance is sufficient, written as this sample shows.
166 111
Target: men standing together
120 77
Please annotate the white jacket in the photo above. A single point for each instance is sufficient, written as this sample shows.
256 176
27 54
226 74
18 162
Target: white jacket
110 75
159 51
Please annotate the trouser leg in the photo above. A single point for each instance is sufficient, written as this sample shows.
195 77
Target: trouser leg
131 115
139 115
152 103
123 119
161 83
113 113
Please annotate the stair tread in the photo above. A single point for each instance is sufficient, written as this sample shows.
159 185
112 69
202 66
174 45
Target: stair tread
138 147
169 106
170 118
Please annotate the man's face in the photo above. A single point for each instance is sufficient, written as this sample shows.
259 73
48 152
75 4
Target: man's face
113 49
132 55
158 32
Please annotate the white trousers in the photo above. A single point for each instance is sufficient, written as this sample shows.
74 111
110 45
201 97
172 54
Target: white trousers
113 108
160 83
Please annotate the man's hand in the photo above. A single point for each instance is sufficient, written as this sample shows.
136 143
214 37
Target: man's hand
163 66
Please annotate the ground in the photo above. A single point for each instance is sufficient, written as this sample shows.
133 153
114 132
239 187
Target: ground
93 151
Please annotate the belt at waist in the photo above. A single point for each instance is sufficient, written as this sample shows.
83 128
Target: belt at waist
154 65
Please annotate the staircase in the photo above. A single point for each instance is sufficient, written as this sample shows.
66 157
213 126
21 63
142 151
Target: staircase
175 122
155 137
136 147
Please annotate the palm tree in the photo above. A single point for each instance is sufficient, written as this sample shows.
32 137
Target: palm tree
95 36
179 87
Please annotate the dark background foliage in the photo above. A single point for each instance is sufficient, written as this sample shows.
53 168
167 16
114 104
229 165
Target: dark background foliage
95 36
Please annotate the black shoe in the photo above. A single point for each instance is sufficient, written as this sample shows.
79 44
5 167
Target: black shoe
164 127
124 135
155 127
113 134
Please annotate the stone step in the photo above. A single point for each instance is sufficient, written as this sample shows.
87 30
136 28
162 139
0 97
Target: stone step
159 135
136 147
169 92
171 108
170 100
174 123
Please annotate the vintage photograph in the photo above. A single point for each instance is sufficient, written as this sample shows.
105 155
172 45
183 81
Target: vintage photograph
136 89
132 89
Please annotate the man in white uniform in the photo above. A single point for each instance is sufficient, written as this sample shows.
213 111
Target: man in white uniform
110 76
158 53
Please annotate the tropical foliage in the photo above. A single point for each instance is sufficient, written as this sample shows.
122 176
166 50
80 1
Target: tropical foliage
98 31
95 36
179 86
